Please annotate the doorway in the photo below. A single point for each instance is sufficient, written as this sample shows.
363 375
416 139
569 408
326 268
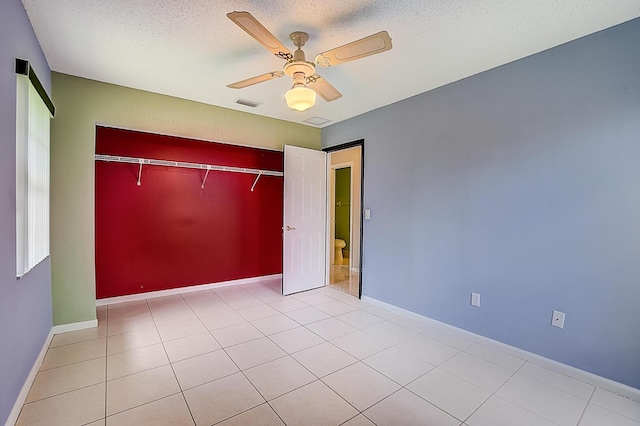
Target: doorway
344 254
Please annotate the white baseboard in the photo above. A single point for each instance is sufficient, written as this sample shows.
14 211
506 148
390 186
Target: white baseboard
22 396
74 326
180 290
567 370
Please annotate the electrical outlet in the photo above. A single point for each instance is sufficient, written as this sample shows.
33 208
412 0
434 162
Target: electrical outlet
475 299
557 319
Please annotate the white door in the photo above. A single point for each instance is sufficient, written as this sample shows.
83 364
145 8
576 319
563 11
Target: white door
305 217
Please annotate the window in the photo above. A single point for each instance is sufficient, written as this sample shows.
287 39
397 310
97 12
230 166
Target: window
34 111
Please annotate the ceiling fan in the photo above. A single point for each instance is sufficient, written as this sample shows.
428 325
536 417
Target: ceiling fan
306 82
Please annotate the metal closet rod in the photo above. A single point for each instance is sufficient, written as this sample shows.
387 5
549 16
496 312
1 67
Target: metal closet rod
166 163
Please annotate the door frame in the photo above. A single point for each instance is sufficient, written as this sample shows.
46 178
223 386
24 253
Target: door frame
340 147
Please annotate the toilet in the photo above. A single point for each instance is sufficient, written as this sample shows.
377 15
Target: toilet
339 245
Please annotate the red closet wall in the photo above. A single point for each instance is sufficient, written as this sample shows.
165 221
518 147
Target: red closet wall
169 232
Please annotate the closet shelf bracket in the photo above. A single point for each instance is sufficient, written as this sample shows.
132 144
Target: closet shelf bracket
205 177
139 174
256 181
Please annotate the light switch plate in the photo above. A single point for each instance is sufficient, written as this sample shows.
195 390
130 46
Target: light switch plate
557 319
367 214
475 299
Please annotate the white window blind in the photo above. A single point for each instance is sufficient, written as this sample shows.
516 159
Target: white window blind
32 176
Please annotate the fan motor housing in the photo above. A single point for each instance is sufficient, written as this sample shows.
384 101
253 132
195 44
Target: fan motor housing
306 68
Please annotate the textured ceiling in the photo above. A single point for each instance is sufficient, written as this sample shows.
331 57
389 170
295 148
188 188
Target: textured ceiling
190 49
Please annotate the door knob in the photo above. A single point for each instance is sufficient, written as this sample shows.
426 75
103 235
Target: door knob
289 228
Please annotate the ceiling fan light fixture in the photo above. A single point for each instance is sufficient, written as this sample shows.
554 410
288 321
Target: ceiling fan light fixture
300 97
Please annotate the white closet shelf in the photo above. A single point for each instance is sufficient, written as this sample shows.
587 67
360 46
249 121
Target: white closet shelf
166 163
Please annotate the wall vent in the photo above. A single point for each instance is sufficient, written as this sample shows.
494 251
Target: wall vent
317 121
248 103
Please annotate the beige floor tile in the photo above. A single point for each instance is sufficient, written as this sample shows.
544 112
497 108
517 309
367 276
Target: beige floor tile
274 324
72 408
411 323
307 315
175 330
135 360
335 307
262 415
360 344
134 340
478 371
498 412
389 332
101 422
398 365
129 311
190 346
236 334
360 385
450 393
315 404
596 415
140 388
205 368
279 376
221 399
359 420
359 319
71 337
171 410
253 313
546 401
324 359
559 381
288 304
183 313
491 354
68 378
313 298
255 352
331 328
617 403
457 340
296 339
407 409
378 311
428 349
129 325
76 352
222 320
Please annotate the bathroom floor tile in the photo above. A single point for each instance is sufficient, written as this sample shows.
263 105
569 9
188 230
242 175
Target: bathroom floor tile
76 407
324 359
404 407
233 395
398 365
278 377
171 410
205 368
255 352
296 339
140 388
313 401
360 385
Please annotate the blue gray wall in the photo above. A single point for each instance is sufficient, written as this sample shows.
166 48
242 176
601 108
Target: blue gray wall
25 304
522 184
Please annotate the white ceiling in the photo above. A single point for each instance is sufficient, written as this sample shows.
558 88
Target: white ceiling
190 49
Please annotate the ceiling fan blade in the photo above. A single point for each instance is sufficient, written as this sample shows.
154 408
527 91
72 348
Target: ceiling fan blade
255 29
323 88
375 43
256 80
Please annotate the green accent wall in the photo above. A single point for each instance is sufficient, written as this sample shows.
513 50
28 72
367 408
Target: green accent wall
343 204
80 105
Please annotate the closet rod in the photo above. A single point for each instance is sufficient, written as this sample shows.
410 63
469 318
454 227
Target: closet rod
165 163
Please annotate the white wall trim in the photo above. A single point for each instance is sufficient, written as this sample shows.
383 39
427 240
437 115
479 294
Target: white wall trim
567 370
74 326
180 290
22 396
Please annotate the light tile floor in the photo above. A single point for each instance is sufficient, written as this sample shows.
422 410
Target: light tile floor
246 355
